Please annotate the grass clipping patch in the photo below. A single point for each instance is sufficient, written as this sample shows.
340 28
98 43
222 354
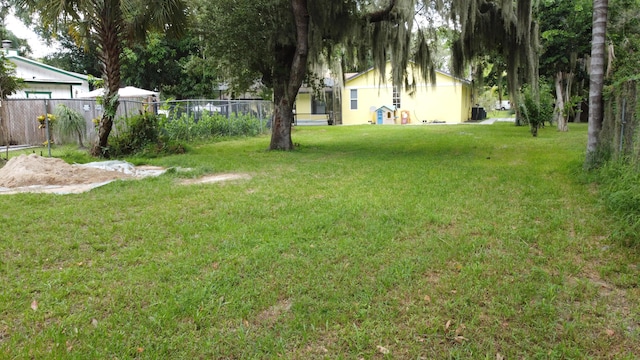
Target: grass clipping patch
215 178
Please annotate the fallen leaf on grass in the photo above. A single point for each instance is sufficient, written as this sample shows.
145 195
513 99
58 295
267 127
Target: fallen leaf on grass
382 350
427 298
94 322
447 325
499 356
140 349
460 339
34 305
460 329
610 332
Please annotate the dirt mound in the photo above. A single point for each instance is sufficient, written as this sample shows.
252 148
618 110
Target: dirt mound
33 173
30 170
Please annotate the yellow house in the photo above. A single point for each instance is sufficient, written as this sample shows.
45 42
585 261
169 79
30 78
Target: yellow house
448 101
317 107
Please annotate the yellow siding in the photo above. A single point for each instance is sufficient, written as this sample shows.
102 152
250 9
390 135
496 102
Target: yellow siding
303 103
449 101
303 109
466 104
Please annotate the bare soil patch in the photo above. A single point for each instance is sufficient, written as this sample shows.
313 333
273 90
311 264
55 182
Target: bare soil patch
271 315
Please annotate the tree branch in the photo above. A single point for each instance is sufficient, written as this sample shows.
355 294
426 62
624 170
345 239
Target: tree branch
381 15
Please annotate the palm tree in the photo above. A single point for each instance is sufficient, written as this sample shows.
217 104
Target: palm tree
596 82
109 22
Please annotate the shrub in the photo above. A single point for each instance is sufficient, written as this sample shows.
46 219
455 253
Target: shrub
536 112
70 123
141 134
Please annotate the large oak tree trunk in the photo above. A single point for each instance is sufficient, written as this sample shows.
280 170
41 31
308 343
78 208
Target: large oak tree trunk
282 119
108 28
286 88
596 79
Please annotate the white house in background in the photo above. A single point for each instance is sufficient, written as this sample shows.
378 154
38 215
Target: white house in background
43 81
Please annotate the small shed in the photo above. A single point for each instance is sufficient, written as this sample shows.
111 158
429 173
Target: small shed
385 115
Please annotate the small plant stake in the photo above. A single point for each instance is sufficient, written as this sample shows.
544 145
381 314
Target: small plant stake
45 123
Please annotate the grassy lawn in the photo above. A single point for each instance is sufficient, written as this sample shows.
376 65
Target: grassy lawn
500 114
367 242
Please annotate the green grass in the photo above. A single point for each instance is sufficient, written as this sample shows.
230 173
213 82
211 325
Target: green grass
500 114
366 240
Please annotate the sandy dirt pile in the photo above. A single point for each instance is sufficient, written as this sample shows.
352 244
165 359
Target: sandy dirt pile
30 170
33 173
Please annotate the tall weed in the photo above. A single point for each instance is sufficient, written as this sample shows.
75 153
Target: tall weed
620 190
209 126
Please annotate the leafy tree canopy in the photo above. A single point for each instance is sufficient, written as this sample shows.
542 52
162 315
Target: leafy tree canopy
75 57
176 67
248 35
108 23
280 41
624 35
8 81
565 30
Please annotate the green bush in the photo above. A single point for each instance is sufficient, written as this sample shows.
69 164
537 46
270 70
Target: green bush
150 135
70 123
536 112
620 190
140 134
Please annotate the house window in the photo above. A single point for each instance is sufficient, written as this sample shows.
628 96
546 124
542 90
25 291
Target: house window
38 94
396 97
354 99
318 106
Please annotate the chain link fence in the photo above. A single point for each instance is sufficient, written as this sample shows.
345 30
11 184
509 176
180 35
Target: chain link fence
620 137
19 125
231 109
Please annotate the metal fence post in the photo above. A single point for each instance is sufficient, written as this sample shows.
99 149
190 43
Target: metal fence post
622 122
260 116
46 124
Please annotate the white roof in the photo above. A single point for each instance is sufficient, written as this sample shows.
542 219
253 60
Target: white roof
34 71
125 92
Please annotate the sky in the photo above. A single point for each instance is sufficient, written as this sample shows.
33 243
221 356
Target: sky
38 47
